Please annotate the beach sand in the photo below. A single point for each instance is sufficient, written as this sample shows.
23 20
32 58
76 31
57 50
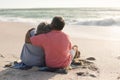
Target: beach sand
102 43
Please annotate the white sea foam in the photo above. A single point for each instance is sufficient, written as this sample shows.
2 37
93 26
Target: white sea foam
87 22
96 22
26 20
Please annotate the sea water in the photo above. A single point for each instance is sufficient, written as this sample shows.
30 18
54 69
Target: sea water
73 16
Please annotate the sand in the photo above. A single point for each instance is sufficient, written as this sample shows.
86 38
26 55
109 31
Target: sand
103 43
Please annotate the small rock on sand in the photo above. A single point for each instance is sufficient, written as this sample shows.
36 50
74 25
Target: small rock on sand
90 58
118 57
2 56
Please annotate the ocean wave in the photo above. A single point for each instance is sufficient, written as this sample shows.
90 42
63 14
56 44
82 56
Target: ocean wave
97 22
87 22
26 20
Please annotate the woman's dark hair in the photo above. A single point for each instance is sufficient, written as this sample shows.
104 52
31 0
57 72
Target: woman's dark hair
43 28
58 23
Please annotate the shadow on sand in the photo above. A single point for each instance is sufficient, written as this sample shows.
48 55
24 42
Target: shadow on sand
32 74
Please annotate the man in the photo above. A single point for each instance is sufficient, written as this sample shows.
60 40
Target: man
56 45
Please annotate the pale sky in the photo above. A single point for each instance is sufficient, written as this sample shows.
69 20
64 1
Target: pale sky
58 3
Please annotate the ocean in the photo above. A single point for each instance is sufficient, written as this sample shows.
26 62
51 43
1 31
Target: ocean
73 16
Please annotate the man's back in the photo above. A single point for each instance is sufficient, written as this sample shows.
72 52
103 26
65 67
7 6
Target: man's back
57 46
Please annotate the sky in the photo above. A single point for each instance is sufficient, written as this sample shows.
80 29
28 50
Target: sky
58 3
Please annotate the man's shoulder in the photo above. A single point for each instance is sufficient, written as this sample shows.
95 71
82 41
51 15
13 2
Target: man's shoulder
63 33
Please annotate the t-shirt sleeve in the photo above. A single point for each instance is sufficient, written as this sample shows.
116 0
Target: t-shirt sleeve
37 40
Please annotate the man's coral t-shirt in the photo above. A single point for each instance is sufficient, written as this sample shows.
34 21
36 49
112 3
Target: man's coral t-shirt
57 46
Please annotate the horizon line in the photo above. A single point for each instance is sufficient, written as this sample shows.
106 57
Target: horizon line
57 7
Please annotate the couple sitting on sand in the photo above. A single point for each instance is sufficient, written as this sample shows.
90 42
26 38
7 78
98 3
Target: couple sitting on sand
49 46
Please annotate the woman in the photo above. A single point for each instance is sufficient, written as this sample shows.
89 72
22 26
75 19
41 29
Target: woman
32 55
